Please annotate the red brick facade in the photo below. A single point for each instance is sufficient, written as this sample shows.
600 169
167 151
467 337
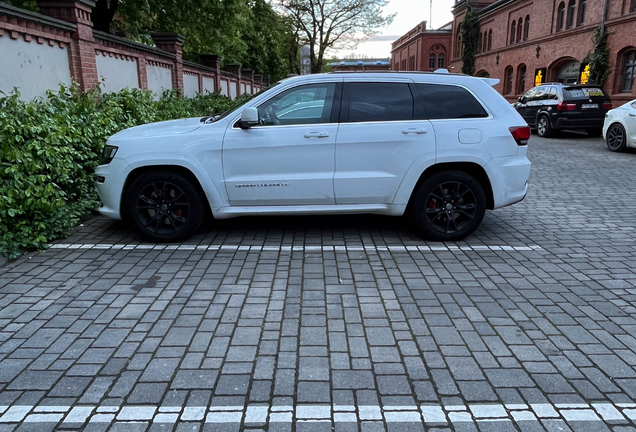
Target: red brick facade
419 49
551 41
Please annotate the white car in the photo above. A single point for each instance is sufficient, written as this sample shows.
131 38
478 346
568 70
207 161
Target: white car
619 129
441 147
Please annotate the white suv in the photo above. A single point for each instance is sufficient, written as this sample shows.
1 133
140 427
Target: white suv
441 147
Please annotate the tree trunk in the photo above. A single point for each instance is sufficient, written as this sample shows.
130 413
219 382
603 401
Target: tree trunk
103 14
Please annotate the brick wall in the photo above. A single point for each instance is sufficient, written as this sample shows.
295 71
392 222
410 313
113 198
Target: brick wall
546 47
67 25
412 51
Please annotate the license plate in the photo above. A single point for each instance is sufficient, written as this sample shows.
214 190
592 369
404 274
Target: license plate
589 106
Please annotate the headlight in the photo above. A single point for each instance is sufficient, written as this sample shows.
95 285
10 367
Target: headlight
108 154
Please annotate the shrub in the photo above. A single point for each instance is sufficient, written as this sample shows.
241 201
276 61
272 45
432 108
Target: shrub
50 148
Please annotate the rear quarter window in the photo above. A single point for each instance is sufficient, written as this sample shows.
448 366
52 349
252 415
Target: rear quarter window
442 101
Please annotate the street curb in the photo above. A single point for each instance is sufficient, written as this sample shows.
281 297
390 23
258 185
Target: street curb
3 260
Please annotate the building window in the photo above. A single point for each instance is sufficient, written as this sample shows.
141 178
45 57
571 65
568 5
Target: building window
581 17
440 60
431 61
571 11
513 31
412 63
485 45
490 38
633 6
629 71
403 65
526 28
560 16
519 29
521 74
508 80
479 46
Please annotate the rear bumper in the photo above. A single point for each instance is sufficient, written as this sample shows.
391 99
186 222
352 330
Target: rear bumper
575 123
509 178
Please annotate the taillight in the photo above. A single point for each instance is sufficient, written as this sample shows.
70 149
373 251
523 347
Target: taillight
562 106
521 134
607 105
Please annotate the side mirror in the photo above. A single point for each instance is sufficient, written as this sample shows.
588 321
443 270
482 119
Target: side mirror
249 117
520 99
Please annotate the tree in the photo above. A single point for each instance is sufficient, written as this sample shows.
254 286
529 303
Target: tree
470 39
334 24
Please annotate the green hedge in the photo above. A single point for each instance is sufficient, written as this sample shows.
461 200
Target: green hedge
50 147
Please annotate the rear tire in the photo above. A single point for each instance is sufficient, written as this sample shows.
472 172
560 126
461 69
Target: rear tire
616 138
164 206
448 206
595 132
544 128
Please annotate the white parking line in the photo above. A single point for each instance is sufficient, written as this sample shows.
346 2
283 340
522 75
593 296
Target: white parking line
305 248
258 414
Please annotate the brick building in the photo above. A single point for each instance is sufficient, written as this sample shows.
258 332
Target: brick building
357 65
421 49
523 41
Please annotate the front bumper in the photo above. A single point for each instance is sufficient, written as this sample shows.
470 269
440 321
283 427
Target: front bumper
110 190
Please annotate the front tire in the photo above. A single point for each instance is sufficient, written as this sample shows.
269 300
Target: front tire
448 206
164 206
544 128
616 138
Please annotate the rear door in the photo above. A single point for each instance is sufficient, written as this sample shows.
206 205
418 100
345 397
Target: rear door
378 140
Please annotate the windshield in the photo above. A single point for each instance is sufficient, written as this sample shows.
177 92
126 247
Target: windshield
218 116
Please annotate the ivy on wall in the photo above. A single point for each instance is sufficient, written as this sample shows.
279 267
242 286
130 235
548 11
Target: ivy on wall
599 58
470 40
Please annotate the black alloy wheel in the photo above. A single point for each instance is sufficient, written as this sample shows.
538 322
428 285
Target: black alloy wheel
616 138
164 206
449 206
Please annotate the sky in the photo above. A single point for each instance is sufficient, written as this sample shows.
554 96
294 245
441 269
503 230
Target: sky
409 13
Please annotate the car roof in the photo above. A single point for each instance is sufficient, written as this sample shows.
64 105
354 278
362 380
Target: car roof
417 76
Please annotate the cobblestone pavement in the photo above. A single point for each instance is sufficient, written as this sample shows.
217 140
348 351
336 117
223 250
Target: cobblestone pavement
340 323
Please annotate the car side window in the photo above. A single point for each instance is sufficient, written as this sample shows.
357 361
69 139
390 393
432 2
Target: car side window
541 94
442 101
307 104
529 94
553 93
377 102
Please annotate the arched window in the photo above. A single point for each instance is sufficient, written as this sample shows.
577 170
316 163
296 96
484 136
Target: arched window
490 39
431 61
629 72
479 45
513 31
560 16
519 29
571 10
632 7
508 80
486 40
458 47
526 28
521 79
440 60
581 17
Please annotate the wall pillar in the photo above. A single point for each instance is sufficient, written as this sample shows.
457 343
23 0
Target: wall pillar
248 76
172 43
236 70
213 61
258 80
82 51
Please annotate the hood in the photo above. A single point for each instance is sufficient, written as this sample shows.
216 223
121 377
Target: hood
164 128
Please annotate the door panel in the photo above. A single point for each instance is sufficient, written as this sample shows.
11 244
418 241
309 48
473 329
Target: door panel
289 158
378 140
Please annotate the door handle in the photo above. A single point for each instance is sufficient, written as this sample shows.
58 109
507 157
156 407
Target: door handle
631 115
317 135
413 131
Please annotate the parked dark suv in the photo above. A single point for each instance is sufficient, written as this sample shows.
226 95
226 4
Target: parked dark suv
554 106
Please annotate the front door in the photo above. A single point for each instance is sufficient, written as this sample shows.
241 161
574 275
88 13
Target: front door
288 159
378 140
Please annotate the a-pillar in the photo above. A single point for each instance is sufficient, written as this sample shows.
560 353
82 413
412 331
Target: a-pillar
172 43
213 61
82 51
